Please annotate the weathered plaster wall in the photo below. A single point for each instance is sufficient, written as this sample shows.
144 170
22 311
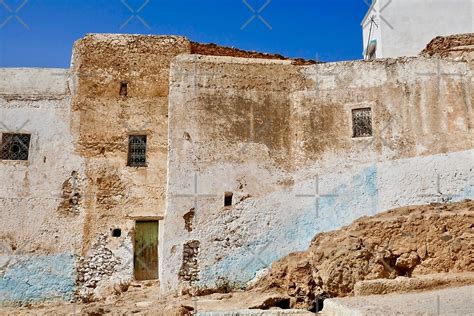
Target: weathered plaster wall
278 135
64 202
41 229
117 194
265 130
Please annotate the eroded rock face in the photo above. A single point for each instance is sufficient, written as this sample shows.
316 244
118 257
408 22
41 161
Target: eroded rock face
407 241
460 46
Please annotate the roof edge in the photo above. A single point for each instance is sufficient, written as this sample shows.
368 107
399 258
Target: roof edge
368 12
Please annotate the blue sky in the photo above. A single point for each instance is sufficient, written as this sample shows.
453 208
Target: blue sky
40 33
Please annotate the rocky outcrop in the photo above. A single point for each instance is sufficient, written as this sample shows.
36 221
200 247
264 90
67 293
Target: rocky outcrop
460 46
408 241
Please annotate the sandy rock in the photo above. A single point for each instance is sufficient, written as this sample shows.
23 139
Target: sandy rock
458 47
407 261
401 242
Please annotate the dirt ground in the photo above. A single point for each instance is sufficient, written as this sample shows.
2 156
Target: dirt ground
143 298
407 242
456 301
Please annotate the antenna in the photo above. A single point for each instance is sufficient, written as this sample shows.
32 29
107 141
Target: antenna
372 22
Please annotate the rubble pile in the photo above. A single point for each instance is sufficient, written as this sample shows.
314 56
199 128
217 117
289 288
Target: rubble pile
217 50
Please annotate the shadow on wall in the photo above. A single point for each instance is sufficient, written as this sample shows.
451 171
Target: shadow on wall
29 279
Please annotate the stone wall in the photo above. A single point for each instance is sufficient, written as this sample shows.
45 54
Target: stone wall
104 117
279 137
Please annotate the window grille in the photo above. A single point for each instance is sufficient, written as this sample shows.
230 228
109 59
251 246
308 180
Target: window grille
15 146
361 122
137 151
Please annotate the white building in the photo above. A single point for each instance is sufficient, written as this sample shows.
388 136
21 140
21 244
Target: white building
394 28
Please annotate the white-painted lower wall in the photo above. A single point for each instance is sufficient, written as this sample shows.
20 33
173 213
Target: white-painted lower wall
237 242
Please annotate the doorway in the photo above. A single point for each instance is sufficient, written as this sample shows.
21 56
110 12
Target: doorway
145 254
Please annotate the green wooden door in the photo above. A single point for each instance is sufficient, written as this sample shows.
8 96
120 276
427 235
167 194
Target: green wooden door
145 261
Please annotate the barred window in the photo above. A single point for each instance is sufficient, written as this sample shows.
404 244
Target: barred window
15 146
361 122
137 151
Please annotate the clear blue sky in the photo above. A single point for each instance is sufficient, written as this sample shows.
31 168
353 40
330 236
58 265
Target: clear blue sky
41 32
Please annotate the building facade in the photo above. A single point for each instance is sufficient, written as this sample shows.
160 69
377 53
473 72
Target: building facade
396 28
146 161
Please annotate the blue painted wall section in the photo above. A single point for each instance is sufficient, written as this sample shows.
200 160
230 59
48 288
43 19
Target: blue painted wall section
30 279
297 227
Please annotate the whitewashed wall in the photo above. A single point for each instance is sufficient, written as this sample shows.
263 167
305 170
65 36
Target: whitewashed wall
420 136
38 242
407 26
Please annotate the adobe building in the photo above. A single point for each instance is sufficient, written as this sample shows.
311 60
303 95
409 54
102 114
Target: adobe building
154 157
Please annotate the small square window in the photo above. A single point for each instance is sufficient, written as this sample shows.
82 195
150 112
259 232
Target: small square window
137 151
15 146
361 122
123 89
228 198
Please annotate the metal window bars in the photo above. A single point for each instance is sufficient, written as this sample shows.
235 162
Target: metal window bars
137 151
15 146
361 122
